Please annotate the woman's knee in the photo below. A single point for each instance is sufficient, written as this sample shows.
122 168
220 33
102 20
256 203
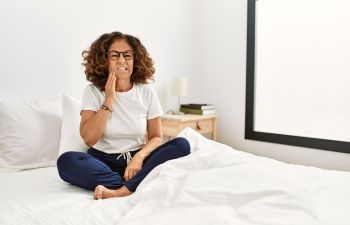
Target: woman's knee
64 156
64 159
182 145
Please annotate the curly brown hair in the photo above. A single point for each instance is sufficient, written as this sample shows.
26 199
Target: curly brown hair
96 66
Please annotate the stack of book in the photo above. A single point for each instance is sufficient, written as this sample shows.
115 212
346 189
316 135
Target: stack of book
199 109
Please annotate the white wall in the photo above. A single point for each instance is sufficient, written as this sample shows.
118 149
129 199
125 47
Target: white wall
41 43
221 80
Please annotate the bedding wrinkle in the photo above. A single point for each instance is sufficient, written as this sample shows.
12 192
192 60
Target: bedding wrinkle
203 188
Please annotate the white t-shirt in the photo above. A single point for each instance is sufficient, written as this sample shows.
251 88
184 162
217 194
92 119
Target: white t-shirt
126 128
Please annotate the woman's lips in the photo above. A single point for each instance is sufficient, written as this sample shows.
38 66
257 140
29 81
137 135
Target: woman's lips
122 69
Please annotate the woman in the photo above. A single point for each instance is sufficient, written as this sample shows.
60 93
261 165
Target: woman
120 121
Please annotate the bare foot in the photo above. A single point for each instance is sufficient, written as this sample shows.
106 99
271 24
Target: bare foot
101 192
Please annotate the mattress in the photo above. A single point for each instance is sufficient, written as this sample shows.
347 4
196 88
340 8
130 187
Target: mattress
215 184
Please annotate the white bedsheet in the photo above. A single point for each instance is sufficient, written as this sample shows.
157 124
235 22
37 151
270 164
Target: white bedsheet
214 185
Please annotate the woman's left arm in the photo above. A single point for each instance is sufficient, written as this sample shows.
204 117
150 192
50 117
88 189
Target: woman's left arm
155 135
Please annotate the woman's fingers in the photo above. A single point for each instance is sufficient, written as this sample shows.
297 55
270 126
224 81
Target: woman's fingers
133 168
109 79
110 84
107 85
126 174
130 173
113 81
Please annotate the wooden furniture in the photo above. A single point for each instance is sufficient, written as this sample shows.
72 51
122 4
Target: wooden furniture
173 124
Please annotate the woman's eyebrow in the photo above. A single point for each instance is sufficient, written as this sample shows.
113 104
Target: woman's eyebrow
121 52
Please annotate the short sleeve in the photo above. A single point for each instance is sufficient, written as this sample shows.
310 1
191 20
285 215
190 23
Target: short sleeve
155 109
89 101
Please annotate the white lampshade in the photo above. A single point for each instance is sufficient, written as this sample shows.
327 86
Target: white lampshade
179 87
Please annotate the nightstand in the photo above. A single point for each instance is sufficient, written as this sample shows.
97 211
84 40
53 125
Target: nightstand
173 124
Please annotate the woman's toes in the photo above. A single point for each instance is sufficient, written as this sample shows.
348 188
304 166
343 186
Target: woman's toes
98 193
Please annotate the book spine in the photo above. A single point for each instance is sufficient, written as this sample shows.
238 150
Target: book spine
191 111
197 111
197 107
196 104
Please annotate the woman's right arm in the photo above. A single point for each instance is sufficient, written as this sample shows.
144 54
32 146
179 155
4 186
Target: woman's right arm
93 124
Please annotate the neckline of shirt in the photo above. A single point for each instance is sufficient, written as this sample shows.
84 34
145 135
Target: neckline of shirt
126 92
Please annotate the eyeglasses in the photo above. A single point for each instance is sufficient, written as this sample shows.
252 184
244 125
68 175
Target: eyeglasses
115 55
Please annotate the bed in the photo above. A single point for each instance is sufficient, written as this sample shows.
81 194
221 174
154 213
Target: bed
215 184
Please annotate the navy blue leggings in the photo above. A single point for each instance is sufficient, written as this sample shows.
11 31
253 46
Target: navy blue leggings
87 170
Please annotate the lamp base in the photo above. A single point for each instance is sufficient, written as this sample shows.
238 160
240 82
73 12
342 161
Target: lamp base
173 112
177 113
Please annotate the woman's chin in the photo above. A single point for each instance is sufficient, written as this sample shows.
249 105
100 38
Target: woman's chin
123 75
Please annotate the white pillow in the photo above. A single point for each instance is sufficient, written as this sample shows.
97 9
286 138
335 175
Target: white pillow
29 134
70 135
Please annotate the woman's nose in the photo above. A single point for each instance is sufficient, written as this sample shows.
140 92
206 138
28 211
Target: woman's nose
121 58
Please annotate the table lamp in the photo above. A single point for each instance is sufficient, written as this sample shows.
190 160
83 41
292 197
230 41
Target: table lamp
179 88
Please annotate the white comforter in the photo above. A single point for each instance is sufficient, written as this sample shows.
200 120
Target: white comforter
214 185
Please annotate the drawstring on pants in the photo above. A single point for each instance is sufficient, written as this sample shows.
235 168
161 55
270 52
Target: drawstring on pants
126 155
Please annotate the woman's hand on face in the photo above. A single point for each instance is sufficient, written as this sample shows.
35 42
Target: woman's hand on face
110 87
133 168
